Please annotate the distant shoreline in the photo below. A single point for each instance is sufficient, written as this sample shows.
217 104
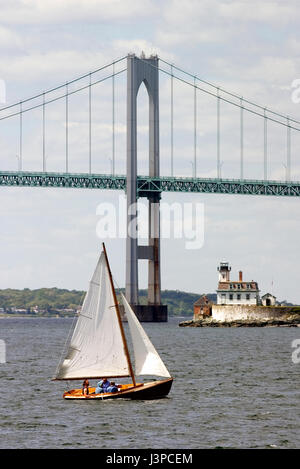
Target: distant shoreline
64 303
32 316
53 316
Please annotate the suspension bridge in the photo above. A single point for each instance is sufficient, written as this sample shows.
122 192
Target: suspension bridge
145 70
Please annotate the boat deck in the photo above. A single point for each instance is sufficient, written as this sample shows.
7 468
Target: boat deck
153 389
78 392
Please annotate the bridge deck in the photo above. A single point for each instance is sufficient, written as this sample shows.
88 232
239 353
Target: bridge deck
146 184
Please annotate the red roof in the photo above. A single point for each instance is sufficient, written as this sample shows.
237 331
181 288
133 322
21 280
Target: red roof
237 286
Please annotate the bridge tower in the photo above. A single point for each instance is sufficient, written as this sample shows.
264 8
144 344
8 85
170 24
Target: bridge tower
141 70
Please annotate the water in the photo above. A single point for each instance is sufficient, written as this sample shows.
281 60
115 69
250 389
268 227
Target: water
233 388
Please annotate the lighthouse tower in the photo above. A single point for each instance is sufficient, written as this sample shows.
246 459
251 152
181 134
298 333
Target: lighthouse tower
224 272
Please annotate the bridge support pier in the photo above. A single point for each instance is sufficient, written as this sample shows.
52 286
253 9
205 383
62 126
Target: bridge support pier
141 70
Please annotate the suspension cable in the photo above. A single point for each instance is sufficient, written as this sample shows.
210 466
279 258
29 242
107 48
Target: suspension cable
61 96
288 149
20 165
242 140
44 130
172 124
90 124
67 129
234 95
218 136
195 129
113 121
64 84
265 146
222 98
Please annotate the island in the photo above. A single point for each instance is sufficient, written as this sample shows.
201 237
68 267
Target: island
238 303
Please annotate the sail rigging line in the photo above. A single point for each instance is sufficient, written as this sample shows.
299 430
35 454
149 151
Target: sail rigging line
85 316
119 319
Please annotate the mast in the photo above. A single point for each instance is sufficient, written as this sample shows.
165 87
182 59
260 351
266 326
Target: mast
119 319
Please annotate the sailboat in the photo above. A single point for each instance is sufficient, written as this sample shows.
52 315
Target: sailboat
98 347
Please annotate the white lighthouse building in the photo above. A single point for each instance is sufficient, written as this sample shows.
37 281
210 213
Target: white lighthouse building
232 292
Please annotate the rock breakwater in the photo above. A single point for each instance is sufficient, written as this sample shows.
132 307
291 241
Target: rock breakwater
293 321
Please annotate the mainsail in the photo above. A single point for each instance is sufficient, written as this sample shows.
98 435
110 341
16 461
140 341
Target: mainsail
96 348
147 360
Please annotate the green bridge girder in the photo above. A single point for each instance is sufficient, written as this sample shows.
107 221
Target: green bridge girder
147 185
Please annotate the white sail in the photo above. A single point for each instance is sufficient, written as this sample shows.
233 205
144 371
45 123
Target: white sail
147 360
96 348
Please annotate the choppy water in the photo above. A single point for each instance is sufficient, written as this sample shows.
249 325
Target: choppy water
235 388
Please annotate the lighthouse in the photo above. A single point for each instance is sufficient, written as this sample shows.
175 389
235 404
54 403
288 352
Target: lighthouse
235 292
224 272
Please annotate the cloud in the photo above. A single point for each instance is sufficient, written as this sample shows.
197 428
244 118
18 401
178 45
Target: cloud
56 66
269 12
33 12
194 37
9 39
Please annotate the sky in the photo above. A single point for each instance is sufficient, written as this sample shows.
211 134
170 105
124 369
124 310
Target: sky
49 237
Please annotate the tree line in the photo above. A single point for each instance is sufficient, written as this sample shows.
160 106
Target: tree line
51 300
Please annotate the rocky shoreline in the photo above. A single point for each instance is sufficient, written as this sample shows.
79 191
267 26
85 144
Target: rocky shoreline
209 322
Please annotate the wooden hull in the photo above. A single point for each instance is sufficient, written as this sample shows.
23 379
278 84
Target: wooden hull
152 390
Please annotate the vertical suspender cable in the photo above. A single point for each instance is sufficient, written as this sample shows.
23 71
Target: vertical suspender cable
218 136
20 139
67 128
195 128
113 120
90 124
172 124
288 150
265 145
44 155
242 138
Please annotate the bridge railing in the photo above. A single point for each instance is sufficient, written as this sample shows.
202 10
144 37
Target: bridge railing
146 184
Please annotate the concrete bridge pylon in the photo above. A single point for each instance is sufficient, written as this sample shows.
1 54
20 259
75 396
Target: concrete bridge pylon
143 70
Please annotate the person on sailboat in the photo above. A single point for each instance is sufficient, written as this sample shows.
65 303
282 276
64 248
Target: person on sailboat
113 387
85 387
102 386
